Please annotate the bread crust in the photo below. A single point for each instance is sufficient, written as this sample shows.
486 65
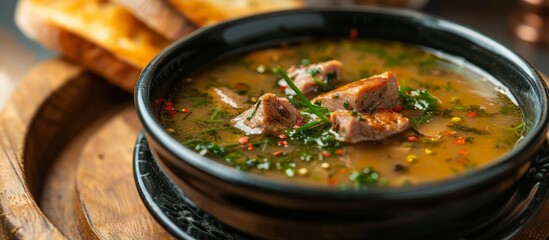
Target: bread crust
110 40
75 48
160 16
206 12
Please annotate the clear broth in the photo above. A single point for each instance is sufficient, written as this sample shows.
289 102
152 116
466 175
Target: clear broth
439 152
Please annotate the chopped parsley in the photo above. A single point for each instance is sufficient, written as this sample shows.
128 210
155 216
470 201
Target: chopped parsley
365 177
316 110
417 99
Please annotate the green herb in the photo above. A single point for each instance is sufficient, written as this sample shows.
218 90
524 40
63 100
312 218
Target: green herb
424 118
314 71
322 85
216 114
346 104
507 106
314 109
510 136
198 98
290 172
327 84
235 157
186 116
417 99
308 126
366 177
208 148
305 155
429 86
460 127
427 115
254 111
296 102
315 137
213 132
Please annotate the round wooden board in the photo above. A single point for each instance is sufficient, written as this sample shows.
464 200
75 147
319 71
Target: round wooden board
67 141
105 187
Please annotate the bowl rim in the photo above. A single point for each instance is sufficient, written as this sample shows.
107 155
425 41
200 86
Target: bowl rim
530 143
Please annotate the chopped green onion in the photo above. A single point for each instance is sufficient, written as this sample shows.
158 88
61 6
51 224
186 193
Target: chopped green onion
254 111
304 99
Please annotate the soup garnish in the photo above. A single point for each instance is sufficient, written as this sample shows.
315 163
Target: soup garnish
349 114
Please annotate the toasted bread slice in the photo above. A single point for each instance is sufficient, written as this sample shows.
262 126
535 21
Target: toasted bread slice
83 31
206 12
160 16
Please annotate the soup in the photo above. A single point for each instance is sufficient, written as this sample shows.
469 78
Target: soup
343 113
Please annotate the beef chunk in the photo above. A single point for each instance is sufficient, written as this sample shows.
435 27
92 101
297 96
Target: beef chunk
355 127
270 115
379 91
319 76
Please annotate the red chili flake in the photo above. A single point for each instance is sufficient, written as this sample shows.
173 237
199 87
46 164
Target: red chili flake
281 136
169 104
353 34
331 181
343 171
411 138
398 108
299 121
339 152
171 113
277 153
185 110
325 153
250 147
283 87
168 107
463 152
282 143
243 140
472 114
460 141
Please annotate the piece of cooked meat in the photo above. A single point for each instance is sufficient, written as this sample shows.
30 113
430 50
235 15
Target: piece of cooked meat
229 97
270 115
355 127
379 91
308 79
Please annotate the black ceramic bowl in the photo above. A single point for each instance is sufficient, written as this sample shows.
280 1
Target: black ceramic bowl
269 209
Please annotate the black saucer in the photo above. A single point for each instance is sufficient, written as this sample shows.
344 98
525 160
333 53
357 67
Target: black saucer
177 214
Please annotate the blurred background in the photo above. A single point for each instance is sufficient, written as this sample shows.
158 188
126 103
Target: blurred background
520 25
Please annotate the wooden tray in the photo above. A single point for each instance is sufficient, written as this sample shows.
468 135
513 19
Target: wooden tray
66 165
